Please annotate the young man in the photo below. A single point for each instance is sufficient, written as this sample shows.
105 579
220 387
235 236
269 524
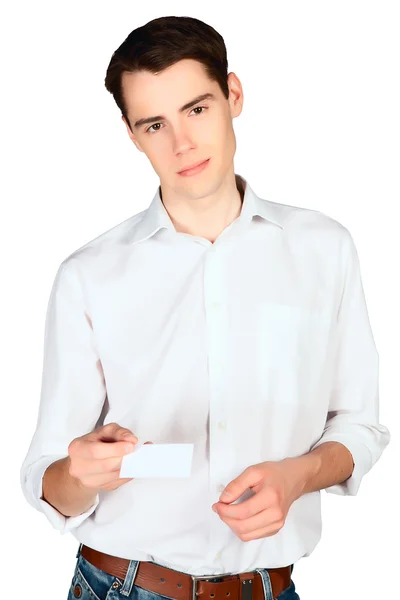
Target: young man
215 318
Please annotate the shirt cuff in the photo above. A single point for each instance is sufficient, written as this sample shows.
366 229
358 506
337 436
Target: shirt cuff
35 482
362 460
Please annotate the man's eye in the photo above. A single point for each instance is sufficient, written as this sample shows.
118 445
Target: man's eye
196 107
151 127
155 131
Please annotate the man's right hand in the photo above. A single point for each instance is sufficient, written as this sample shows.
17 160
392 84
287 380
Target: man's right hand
95 458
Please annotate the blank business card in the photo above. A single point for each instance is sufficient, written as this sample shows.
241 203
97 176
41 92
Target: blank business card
158 460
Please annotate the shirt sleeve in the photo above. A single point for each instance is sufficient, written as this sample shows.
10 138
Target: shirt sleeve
353 417
72 391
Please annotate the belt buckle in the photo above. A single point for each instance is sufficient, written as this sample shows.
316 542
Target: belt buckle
196 578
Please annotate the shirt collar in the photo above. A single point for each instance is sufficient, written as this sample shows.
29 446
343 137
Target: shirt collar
155 217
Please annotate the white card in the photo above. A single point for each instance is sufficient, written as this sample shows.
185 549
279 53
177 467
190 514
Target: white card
158 460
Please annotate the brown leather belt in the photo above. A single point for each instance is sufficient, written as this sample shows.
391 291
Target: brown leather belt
182 586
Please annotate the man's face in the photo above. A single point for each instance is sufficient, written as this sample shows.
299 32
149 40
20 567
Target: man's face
185 137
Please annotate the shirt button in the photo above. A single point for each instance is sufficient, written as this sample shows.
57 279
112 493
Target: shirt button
215 305
218 556
222 424
221 488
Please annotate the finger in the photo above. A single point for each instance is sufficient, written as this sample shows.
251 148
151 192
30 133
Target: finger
113 432
267 519
243 510
110 460
90 450
104 466
261 533
127 435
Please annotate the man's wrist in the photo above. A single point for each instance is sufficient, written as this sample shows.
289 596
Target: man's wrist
304 470
330 463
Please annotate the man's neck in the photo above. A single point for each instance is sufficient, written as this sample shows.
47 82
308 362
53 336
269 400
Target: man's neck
212 221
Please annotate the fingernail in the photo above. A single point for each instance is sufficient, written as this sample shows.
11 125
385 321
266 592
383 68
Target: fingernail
225 495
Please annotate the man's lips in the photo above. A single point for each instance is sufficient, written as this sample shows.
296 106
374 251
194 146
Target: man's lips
193 166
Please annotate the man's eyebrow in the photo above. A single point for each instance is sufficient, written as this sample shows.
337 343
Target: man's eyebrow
207 96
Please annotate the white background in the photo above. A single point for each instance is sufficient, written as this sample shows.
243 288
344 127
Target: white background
319 129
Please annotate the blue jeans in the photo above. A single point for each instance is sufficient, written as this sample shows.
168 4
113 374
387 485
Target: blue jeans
91 583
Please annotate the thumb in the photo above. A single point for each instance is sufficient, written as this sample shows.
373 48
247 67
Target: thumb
238 486
127 436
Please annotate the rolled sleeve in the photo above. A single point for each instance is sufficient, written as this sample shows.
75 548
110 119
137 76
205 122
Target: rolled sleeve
72 393
34 487
353 417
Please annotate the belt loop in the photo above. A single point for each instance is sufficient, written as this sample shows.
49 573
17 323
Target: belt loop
266 583
79 549
130 576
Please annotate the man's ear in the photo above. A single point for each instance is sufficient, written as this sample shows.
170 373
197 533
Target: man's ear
133 138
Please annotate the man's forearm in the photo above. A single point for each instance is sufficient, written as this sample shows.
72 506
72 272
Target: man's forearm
328 464
63 492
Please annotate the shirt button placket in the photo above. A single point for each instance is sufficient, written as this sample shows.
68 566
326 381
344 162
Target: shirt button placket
214 296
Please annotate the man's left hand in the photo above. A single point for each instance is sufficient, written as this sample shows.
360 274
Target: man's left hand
277 484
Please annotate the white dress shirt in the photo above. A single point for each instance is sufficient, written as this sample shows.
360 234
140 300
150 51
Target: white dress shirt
254 348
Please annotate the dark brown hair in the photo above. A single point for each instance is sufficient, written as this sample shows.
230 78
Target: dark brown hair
161 43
